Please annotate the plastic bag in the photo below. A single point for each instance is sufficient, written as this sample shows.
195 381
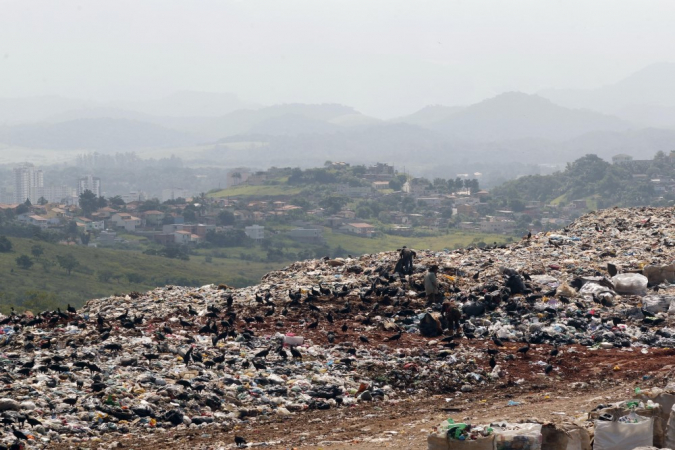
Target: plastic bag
630 284
657 303
521 436
623 436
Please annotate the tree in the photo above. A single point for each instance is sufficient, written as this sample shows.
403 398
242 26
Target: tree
395 185
21 209
116 202
5 244
333 204
226 217
190 213
42 201
67 262
24 262
105 275
88 202
37 250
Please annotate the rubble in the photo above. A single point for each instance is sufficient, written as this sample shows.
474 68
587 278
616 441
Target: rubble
324 334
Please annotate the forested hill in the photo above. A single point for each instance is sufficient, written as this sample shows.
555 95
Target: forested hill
631 183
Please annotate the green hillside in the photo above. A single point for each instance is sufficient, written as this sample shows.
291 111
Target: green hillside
103 272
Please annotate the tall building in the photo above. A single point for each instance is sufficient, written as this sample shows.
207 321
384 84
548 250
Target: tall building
89 183
28 183
59 194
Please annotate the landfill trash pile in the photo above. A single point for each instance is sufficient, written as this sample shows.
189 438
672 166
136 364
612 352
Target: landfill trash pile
322 334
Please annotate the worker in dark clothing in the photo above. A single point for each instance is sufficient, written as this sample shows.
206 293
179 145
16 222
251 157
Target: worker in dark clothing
431 287
406 259
452 315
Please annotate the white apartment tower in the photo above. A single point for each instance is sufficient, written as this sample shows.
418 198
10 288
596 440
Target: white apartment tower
89 183
28 183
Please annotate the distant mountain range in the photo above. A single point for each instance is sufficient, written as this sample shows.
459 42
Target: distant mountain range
641 97
515 115
634 116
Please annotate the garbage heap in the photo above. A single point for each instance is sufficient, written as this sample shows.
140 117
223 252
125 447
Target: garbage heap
319 334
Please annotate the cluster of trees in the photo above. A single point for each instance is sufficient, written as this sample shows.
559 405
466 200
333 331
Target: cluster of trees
67 262
89 203
327 175
612 184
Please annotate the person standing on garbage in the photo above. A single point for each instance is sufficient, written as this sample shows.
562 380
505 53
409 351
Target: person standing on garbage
431 287
452 315
406 259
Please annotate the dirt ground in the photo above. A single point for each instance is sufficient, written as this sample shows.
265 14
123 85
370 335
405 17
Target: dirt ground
583 379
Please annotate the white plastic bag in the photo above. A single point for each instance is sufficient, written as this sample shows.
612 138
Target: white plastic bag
630 284
623 436
657 303
521 436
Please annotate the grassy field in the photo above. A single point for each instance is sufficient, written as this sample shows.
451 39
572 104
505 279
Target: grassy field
358 245
104 272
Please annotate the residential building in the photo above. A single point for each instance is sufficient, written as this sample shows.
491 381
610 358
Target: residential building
182 237
255 232
353 191
380 185
491 225
38 221
28 183
89 225
380 172
153 218
126 221
359 228
89 183
466 210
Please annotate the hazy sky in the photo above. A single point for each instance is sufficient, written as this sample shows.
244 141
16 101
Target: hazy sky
386 58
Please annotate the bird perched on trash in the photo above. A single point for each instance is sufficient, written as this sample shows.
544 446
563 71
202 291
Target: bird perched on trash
19 434
295 353
239 441
71 309
548 369
524 350
344 328
363 339
497 341
395 337
493 363
492 351
554 352
263 353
